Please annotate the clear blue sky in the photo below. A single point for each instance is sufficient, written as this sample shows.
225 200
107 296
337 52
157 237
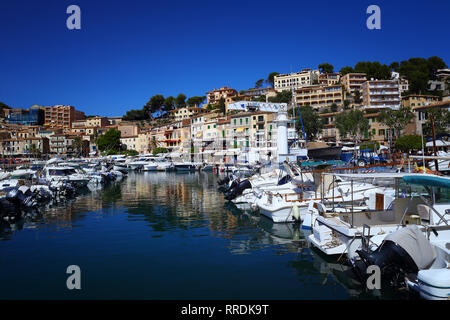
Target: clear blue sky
128 51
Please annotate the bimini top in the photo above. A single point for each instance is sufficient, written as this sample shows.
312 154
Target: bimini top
427 180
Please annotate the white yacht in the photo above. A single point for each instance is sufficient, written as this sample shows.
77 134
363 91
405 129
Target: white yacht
69 174
337 232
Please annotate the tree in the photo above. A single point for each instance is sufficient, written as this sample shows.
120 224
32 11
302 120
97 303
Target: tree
195 101
394 66
133 115
441 118
409 143
155 104
346 104
419 71
357 97
346 70
77 145
222 106
396 120
312 123
159 150
271 79
284 96
130 152
110 141
434 64
326 68
374 70
180 101
334 107
352 123
259 83
169 103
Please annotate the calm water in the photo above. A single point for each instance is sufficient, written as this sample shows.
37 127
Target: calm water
163 236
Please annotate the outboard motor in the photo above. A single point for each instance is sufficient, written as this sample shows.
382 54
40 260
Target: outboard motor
238 189
403 252
223 181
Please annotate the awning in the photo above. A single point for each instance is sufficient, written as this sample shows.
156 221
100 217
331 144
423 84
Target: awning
199 134
439 143
240 129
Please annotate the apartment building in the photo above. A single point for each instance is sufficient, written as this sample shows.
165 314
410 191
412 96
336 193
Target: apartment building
240 125
329 131
62 143
320 96
256 93
353 81
185 113
18 146
97 122
418 100
306 77
128 129
130 142
62 116
379 94
328 79
213 96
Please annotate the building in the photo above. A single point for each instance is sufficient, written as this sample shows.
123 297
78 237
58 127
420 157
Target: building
97 122
418 100
421 115
379 94
130 142
403 85
306 77
320 96
62 116
32 116
185 113
213 96
328 79
353 81
27 146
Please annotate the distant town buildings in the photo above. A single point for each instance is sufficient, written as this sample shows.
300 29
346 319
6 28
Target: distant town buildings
213 96
306 77
380 94
62 116
353 81
204 133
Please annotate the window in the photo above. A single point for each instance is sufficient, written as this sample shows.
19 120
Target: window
246 120
234 121
240 121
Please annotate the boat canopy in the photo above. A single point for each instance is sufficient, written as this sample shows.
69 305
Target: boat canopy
430 180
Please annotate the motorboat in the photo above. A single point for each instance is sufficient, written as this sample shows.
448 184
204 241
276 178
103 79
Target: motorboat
184 166
140 163
67 174
336 232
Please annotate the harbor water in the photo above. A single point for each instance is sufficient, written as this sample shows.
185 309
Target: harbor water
165 236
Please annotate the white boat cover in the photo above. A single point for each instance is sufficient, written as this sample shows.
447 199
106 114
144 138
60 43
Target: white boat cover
412 240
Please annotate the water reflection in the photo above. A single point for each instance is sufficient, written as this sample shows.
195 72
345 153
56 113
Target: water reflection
179 228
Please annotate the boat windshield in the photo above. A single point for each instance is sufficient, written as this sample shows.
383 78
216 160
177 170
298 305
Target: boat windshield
441 195
61 172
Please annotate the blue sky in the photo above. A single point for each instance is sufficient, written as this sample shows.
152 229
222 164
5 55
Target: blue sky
127 51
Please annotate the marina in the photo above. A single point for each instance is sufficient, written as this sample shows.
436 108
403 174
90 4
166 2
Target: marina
181 234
